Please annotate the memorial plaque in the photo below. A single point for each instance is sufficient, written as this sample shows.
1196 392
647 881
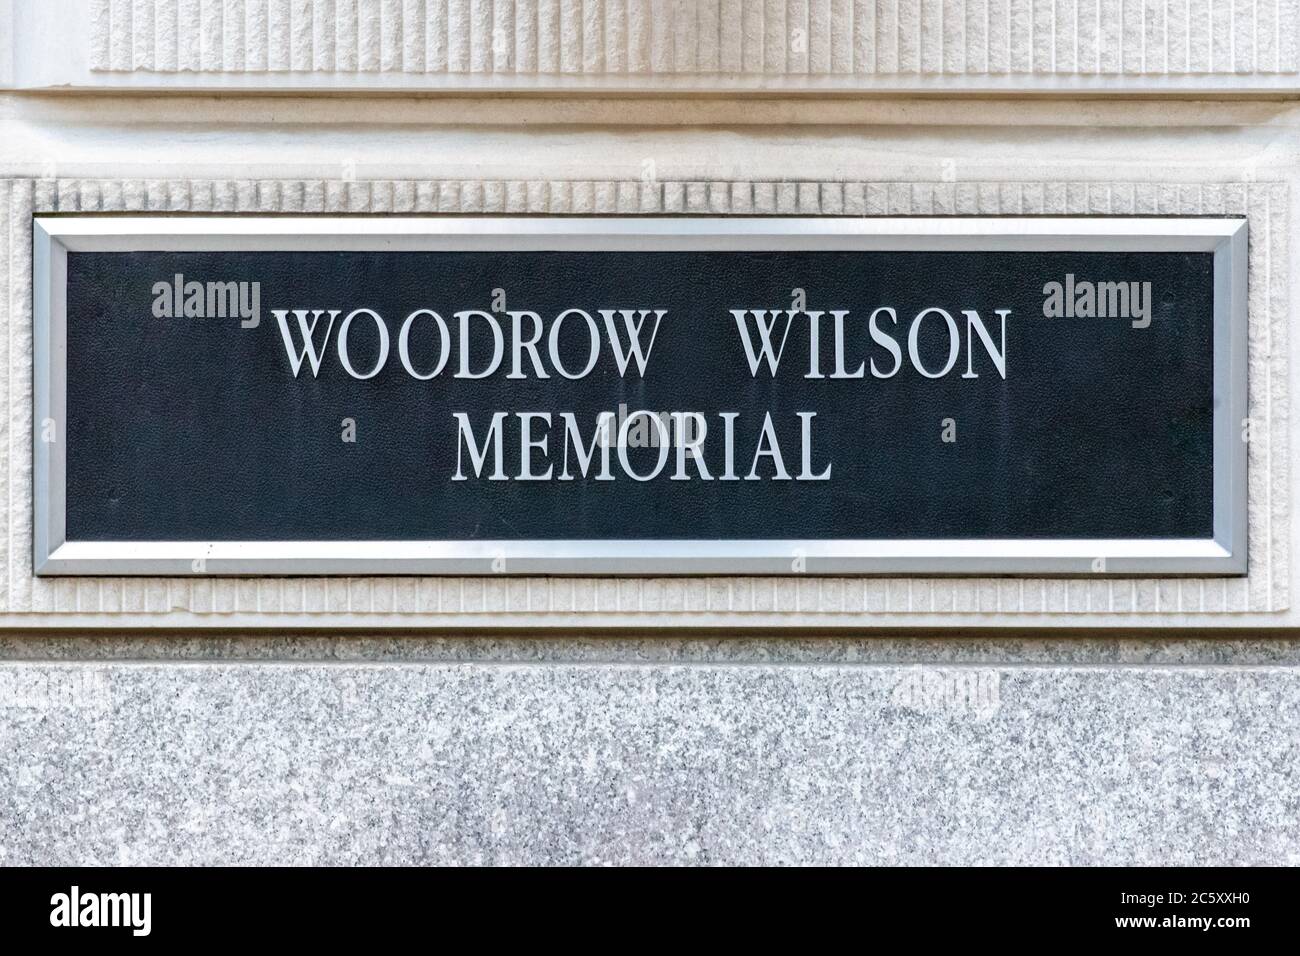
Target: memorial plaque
272 395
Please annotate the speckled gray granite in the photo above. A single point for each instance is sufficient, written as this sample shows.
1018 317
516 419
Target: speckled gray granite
1004 646
662 761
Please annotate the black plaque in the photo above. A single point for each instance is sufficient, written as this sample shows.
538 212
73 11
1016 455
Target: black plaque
965 395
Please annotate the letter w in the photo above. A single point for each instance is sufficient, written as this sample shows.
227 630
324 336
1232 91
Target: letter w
633 337
308 332
764 326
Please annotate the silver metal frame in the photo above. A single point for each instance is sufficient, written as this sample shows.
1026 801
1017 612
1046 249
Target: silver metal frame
1224 554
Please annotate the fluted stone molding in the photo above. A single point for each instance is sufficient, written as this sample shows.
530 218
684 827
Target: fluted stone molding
800 600
699 38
